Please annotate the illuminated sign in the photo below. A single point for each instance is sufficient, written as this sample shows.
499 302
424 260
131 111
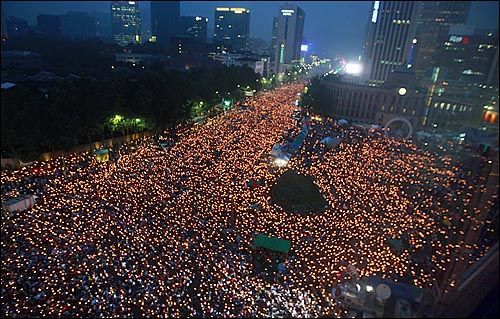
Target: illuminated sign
459 39
375 11
304 47
287 12
282 52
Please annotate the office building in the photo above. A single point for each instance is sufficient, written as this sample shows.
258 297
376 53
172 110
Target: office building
389 40
232 28
165 21
376 105
433 22
289 37
78 25
125 22
274 38
466 60
49 24
195 27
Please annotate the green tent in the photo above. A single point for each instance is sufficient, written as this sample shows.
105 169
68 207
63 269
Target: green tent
273 243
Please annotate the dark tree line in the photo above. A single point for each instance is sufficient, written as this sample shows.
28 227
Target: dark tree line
314 98
84 110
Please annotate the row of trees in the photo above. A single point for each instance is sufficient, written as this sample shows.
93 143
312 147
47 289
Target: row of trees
81 111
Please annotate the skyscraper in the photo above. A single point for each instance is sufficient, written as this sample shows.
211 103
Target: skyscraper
78 25
125 22
232 28
195 27
289 37
50 24
165 20
274 38
389 40
433 23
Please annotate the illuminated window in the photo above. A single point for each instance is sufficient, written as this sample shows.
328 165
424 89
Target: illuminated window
282 52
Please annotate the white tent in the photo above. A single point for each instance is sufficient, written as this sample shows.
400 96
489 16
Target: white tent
20 203
331 142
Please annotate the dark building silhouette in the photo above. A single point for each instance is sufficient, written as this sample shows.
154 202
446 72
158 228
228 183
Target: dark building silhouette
274 37
49 24
78 25
165 21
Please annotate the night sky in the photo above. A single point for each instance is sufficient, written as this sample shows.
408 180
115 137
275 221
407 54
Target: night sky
331 26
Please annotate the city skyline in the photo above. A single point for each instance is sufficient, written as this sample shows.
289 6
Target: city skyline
346 26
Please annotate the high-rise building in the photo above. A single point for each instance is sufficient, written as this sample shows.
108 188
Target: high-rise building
433 23
195 27
77 25
390 39
232 28
50 24
125 22
467 63
165 21
274 38
289 37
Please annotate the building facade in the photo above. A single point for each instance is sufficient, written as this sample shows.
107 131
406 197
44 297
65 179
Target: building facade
232 28
374 105
21 60
389 40
49 24
78 25
274 38
195 27
465 78
165 21
289 37
125 22
434 21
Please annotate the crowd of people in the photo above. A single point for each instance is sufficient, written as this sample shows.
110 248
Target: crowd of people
169 232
